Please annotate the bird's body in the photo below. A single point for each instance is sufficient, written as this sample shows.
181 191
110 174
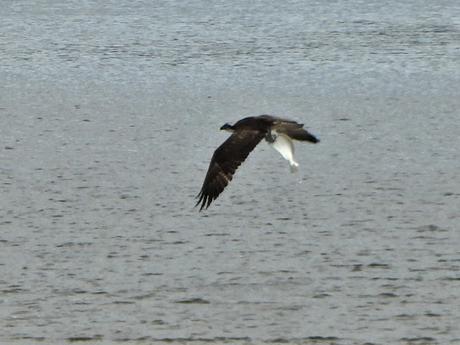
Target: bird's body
246 134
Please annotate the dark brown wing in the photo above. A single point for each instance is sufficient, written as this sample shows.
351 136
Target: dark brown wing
225 160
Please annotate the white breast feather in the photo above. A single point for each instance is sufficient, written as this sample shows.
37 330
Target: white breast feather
284 145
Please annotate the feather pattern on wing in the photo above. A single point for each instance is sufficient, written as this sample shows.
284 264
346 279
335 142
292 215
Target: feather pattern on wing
225 160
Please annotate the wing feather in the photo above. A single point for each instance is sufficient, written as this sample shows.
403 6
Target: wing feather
225 160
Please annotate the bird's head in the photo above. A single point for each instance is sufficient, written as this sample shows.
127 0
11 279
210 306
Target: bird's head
227 127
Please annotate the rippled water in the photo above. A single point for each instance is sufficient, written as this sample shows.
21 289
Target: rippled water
110 113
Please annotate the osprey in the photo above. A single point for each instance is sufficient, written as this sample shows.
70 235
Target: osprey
246 134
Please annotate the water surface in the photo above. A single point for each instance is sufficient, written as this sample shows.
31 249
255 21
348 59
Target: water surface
110 114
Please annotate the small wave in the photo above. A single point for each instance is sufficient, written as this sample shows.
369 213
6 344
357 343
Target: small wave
418 340
193 301
84 338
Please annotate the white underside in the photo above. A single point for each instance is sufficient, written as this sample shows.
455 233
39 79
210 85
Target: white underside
284 145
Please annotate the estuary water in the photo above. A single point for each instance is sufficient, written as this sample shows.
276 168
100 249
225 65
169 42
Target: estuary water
109 115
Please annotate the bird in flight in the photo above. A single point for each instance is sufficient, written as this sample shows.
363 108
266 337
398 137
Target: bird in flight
246 134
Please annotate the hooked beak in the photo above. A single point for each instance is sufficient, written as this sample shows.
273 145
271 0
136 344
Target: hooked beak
226 127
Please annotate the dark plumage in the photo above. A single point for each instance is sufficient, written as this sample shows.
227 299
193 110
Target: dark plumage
246 134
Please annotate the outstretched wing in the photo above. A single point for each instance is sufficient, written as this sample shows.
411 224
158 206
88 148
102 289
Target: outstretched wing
225 160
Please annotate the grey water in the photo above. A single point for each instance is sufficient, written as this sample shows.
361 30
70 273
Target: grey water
109 115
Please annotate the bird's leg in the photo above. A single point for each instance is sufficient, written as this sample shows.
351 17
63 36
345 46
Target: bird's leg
270 137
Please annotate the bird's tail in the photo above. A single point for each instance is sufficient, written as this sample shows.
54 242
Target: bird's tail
302 135
297 132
